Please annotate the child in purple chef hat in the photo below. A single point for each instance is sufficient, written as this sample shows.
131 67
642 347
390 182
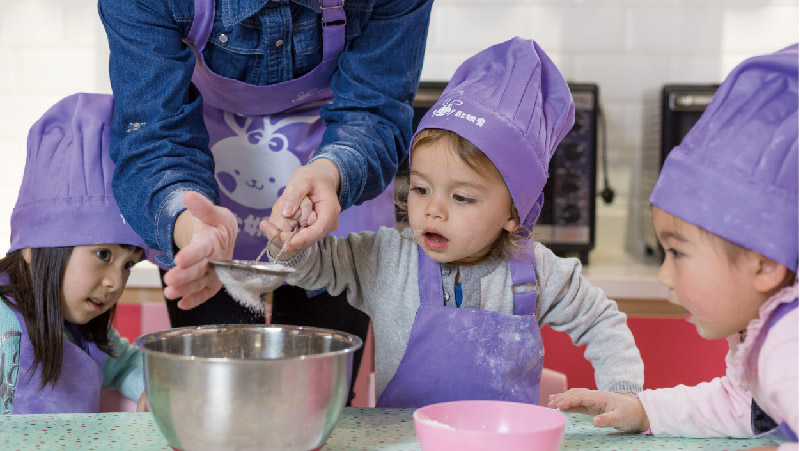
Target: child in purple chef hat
458 297
70 257
725 210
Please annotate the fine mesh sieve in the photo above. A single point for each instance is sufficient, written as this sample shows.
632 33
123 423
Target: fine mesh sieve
247 281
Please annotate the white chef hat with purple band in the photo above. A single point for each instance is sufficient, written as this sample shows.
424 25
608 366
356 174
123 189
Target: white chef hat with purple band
735 172
511 101
65 198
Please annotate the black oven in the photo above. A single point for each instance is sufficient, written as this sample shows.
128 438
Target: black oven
567 221
674 111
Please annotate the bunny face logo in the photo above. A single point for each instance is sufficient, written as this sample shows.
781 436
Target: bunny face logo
447 107
253 167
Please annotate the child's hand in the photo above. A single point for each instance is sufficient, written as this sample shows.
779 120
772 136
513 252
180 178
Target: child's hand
623 412
279 229
142 405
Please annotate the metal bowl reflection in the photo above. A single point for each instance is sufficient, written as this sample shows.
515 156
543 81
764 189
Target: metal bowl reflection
248 386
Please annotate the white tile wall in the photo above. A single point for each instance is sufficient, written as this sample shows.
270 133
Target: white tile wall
52 48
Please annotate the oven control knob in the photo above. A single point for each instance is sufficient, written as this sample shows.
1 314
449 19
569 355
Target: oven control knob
572 183
573 151
580 123
570 214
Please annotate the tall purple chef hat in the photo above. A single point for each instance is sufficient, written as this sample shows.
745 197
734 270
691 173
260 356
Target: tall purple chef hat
65 197
735 172
511 102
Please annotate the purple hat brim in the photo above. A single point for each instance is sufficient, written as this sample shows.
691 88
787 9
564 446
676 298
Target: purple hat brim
516 160
747 219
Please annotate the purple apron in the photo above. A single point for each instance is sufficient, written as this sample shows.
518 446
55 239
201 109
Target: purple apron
460 354
78 387
260 134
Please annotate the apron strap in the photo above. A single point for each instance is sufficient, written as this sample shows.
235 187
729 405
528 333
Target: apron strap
333 22
201 25
429 275
523 277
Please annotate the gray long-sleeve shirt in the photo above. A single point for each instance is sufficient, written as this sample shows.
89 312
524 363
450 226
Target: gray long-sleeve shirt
379 272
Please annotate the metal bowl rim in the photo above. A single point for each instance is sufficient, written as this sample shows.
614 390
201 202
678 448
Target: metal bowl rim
138 343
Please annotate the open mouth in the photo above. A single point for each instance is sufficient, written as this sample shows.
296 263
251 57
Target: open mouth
96 304
435 241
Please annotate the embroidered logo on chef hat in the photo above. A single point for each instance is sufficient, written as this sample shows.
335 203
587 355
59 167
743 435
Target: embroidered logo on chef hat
65 198
450 107
735 172
511 101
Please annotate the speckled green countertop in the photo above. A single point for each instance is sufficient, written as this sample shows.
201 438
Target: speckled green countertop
358 429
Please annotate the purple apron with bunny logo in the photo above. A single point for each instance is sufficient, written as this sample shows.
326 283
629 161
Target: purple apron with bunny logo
260 134
78 387
466 354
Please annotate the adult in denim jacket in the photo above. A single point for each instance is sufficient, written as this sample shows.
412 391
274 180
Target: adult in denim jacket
160 143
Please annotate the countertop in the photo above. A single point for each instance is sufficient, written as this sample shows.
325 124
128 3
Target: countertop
618 274
357 429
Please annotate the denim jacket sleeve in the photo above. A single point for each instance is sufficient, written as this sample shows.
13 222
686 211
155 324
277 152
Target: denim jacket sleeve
159 142
369 122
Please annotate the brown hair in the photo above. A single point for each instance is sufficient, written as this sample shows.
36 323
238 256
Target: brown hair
36 290
508 244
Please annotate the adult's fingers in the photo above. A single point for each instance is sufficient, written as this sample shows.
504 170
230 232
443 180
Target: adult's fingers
297 189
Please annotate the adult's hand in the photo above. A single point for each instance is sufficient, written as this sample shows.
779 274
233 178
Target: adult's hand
204 231
317 181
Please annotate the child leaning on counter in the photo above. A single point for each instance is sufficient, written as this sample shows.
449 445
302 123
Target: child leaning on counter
458 297
725 211
70 257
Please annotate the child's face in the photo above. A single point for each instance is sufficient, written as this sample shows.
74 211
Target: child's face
456 213
717 292
94 280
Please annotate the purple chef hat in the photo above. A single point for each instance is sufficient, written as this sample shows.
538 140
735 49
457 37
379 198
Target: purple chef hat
511 102
735 172
65 198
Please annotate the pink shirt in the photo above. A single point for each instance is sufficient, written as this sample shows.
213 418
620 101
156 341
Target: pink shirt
722 407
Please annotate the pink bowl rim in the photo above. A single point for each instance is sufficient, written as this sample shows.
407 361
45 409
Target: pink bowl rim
555 413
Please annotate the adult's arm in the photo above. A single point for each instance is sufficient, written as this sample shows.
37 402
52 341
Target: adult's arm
369 122
158 141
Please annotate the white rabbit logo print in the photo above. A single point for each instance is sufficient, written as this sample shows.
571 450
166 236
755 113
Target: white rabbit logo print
447 108
253 167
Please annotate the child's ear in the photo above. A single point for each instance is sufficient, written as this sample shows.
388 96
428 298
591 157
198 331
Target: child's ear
511 225
26 255
769 275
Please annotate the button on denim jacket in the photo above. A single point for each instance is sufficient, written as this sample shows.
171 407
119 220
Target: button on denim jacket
158 140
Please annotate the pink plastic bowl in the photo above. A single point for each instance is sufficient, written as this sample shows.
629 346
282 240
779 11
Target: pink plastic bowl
489 425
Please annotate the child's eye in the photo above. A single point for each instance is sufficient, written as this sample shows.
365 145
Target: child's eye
129 265
462 200
103 254
419 190
675 253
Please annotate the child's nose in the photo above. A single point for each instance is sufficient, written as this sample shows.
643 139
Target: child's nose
114 280
664 275
435 208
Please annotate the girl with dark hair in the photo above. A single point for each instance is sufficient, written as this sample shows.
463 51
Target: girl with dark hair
70 257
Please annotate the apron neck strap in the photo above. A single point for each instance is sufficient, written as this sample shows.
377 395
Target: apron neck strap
201 25
523 278
429 276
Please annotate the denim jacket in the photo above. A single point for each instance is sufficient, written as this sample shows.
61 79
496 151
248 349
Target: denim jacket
259 42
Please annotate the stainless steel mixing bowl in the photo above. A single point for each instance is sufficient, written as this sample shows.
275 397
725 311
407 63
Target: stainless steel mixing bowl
247 386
